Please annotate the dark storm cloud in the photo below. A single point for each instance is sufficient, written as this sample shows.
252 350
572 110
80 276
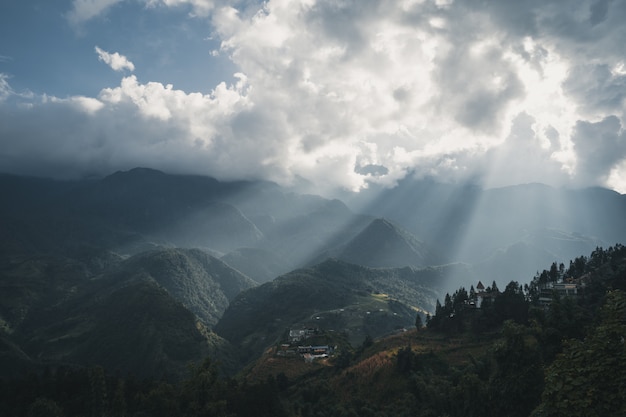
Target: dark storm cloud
597 87
599 147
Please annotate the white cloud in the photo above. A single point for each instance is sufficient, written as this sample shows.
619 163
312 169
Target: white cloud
84 10
342 93
437 89
116 61
5 88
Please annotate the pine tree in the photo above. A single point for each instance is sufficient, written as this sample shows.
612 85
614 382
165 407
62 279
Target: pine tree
418 321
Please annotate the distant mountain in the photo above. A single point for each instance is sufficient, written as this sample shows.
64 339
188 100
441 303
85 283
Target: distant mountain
184 210
517 262
141 209
334 295
383 244
322 224
529 224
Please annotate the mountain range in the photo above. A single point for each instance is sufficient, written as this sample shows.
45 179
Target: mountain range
144 272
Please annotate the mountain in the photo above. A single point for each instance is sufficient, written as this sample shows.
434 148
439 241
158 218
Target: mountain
136 328
528 223
183 210
322 224
149 314
536 247
383 244
333 295
141 209
201 282
198 247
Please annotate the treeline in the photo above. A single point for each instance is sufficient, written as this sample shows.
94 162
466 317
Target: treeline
479 312
564 356
84 392
603 270
518 376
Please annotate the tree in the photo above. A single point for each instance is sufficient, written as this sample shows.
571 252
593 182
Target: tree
118 403
98 386
44 407
202 393
512 304
367 342
516 383
418 321
554 272
589 377
447 304
404 360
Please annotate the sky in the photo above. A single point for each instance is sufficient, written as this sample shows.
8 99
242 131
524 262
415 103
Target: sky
335 94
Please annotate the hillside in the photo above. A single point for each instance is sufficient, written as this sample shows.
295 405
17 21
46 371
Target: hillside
564 358
149 315
333 295
202 283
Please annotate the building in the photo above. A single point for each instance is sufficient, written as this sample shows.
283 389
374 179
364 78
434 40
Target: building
562 289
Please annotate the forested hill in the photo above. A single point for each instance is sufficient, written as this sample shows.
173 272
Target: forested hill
527 350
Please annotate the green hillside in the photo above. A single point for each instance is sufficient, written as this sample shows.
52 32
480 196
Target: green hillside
333 295
149 315
203 283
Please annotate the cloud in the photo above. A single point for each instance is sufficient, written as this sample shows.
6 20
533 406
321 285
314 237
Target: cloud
84 10
600 147
130 125
347 93
5 88
597 87
116 61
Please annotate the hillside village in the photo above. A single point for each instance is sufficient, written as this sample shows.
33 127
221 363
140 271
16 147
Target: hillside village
296 345
298 342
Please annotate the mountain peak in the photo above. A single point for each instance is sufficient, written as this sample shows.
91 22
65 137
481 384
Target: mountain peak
383 244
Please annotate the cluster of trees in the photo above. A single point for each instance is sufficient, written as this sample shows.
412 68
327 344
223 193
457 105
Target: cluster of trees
562 359
603 270
460 310
67 392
